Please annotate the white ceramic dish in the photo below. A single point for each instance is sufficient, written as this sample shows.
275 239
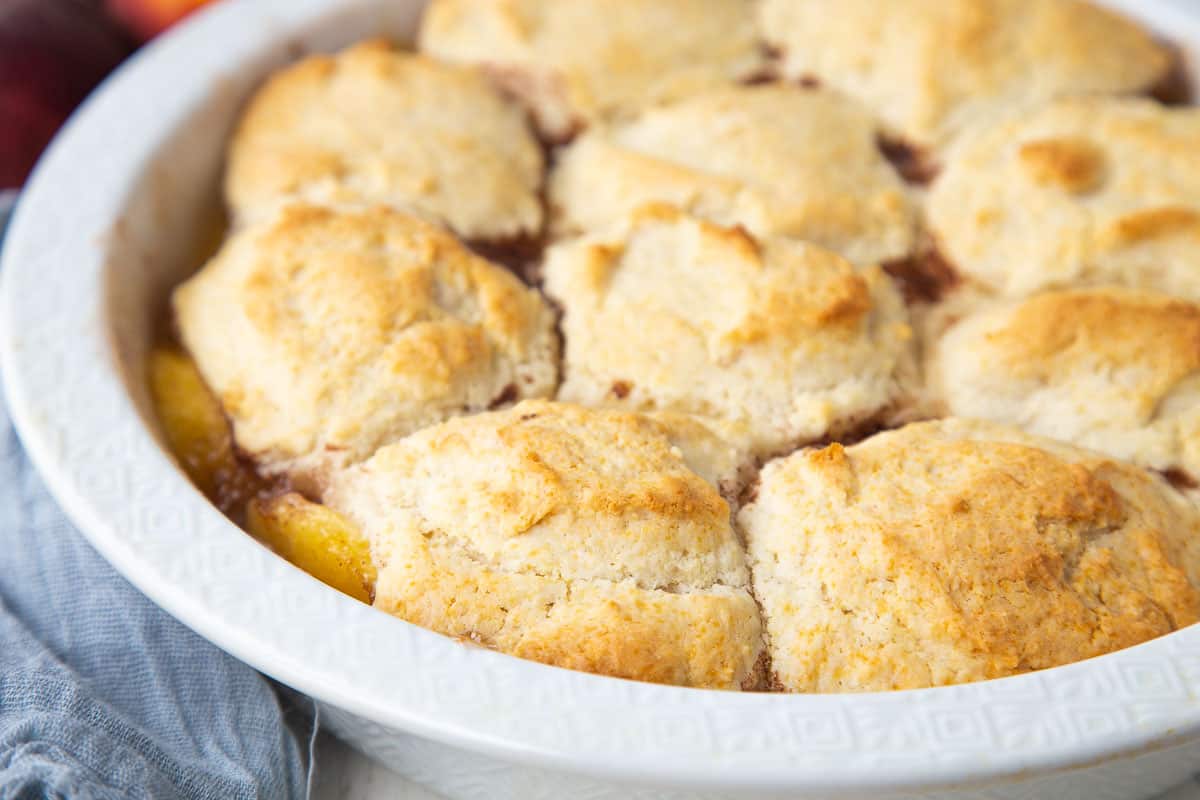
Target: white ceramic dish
108 225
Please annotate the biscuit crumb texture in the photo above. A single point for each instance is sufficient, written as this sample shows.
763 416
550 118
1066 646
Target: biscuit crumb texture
578 61
719 451
574 537
1115 370
777 338
1084 191
327 333
931 67
375 125
777 159
957 551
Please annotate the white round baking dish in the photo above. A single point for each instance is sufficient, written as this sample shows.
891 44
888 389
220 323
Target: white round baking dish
110 222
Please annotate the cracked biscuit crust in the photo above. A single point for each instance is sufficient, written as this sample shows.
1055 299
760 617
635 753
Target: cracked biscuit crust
777 338
575 537
376 125
574 62
1115 370
1083 191
929 67
719 451
327 333
957 551
777 159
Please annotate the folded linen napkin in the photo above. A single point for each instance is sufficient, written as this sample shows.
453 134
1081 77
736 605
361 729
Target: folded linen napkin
102 694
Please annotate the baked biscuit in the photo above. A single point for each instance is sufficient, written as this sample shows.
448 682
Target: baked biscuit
775 158
956 551
927 67
327 333
1116 370
375 125
777 336
1083 191
577 61
574 537
720 451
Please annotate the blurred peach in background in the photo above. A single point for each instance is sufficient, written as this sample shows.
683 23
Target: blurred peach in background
52 53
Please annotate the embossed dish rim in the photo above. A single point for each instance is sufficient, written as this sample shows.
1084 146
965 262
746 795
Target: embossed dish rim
71 402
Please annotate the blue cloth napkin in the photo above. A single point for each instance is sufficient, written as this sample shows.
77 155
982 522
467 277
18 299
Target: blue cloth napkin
103 695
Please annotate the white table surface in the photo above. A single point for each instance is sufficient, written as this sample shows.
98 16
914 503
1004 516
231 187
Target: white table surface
344 774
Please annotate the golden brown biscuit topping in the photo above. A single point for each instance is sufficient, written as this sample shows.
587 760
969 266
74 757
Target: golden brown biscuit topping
955 551
376 125
930 68
726 254
327 333
780 338
1075 165
575 62
576 537
1160 334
